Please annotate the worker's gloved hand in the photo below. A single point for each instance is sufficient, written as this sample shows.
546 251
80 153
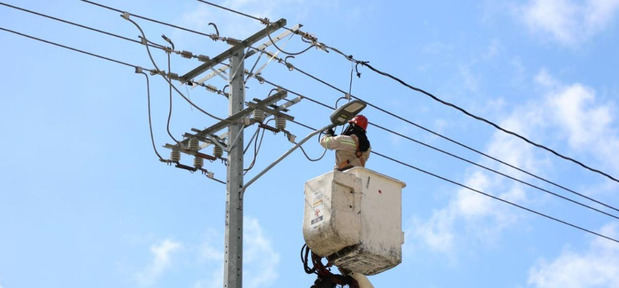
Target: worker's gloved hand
330 132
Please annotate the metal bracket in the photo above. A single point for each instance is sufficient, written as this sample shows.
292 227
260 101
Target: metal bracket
262 47
226 54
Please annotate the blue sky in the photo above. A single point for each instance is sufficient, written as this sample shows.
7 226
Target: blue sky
84 202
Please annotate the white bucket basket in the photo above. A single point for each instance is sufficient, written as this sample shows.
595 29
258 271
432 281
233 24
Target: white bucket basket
355 219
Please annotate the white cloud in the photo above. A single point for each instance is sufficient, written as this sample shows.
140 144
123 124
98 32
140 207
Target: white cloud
437 232
567 21
565 114
259 255
467 210
575 111
162 254
596 267
260 260
589 125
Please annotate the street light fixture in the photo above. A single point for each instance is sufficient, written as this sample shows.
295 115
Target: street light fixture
343 114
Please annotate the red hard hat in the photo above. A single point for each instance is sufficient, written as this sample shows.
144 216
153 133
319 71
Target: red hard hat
360 121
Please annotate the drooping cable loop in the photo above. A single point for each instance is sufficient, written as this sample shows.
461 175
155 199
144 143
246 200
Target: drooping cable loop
127 17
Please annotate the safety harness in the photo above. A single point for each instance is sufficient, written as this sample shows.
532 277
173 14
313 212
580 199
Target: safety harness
345 165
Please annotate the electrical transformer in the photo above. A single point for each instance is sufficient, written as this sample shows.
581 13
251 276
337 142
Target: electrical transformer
354 218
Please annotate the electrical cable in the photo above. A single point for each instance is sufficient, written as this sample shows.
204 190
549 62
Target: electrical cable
435 133
455 156
212 36
495 197
72 49
253 66
250 140
69 22
489 195
166 77
257 146
365 64
496 126
350 83
309 158
137 68
150 43
338 101
285 52
234 11
154 45
150 124
491 123
170 110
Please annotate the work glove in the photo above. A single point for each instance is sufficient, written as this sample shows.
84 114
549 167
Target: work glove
330 132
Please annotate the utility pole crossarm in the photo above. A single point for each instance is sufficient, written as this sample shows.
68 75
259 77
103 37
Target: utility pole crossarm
237 116
261 48
226 54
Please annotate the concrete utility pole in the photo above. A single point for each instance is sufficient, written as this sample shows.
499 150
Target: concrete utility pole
238 117
233 259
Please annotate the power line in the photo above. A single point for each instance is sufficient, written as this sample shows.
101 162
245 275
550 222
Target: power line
450 154
150 124
494 197
70 23
170 106
167 78
491 123
212 36
73 49
185 54
289 65
137 68
486 194
365 63
375 106
453 141
263 20
145 42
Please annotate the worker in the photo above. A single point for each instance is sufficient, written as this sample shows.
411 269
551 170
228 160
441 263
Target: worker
352 148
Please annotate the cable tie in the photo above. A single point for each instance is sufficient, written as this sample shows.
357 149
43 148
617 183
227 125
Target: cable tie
125 15
139 69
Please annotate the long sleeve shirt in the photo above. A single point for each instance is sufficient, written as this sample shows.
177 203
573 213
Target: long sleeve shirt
345 147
